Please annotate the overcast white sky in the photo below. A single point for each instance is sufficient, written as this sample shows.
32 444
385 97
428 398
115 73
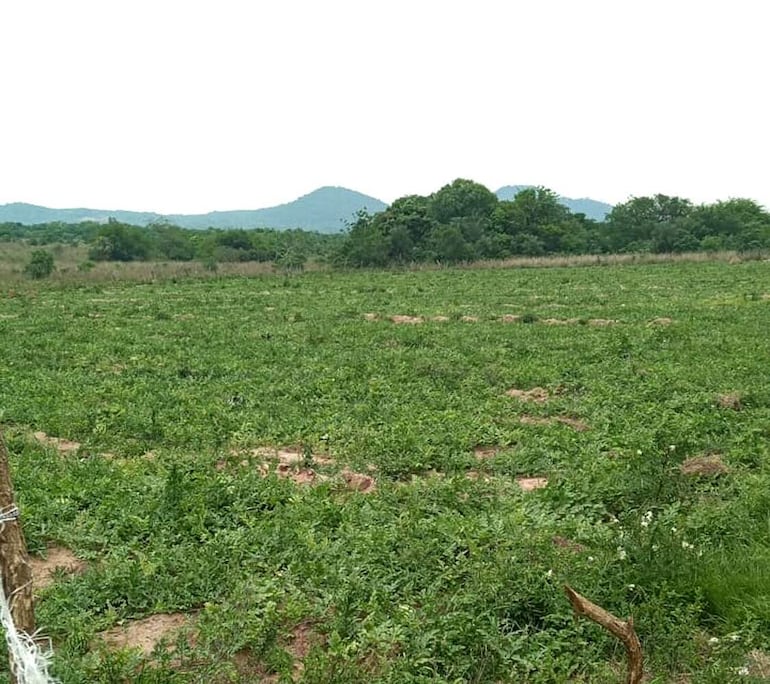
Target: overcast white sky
193 106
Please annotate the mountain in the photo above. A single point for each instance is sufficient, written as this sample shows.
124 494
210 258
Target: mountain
325 210
593 209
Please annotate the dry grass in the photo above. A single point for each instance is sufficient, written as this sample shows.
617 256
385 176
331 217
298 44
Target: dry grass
14 255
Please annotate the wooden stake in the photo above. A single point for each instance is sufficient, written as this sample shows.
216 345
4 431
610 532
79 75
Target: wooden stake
622 630
14 560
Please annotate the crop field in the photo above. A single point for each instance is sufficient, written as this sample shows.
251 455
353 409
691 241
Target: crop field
390 476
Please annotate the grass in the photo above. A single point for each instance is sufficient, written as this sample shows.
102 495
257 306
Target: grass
435 576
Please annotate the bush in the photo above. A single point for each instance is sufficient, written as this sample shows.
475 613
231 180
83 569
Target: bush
40 264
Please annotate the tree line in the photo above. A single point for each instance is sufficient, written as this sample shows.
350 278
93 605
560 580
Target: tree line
462 221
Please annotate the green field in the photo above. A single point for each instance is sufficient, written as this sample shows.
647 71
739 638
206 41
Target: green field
443 569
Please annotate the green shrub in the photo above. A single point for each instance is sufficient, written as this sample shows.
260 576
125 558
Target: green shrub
40 264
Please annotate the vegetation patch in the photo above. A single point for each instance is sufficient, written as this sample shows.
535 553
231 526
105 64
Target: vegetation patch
419 556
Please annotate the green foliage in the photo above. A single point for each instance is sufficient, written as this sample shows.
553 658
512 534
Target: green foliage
40 264
448 571
121 242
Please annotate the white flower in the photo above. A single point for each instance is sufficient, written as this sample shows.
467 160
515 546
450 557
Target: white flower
674 530
687 546
590 559
735 637
647 519
638 452
672 447
654 547
621 553
714 640
631 587
324 438
743 671
549 574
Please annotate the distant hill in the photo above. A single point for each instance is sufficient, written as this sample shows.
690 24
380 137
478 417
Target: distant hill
593 209
325 210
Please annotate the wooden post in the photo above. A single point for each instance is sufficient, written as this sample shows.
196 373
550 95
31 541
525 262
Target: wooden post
622 630
14 560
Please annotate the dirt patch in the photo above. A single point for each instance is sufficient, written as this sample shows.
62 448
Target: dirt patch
300 476
288 463
63 446
371 317
440 319
708 465
536 394
601 322
407 320
510 318
477 476
730 400
568 544
758 664
484 453
574 423
146 633
359 482
58 559
560 321
529 484
289 455
470 319
662 320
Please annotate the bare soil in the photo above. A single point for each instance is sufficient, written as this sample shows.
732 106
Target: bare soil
44 570
484 453
568 544
662 320
758 663
146 633
407 320
574 423
63 446
359 482
707 465
730 400
470 319
529 484
536 394
510 318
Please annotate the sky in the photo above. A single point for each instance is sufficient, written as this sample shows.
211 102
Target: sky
194 106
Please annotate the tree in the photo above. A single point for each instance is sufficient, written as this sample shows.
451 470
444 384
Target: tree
365 244
40 264
635 221
449 245
121 242
529 212
462 198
